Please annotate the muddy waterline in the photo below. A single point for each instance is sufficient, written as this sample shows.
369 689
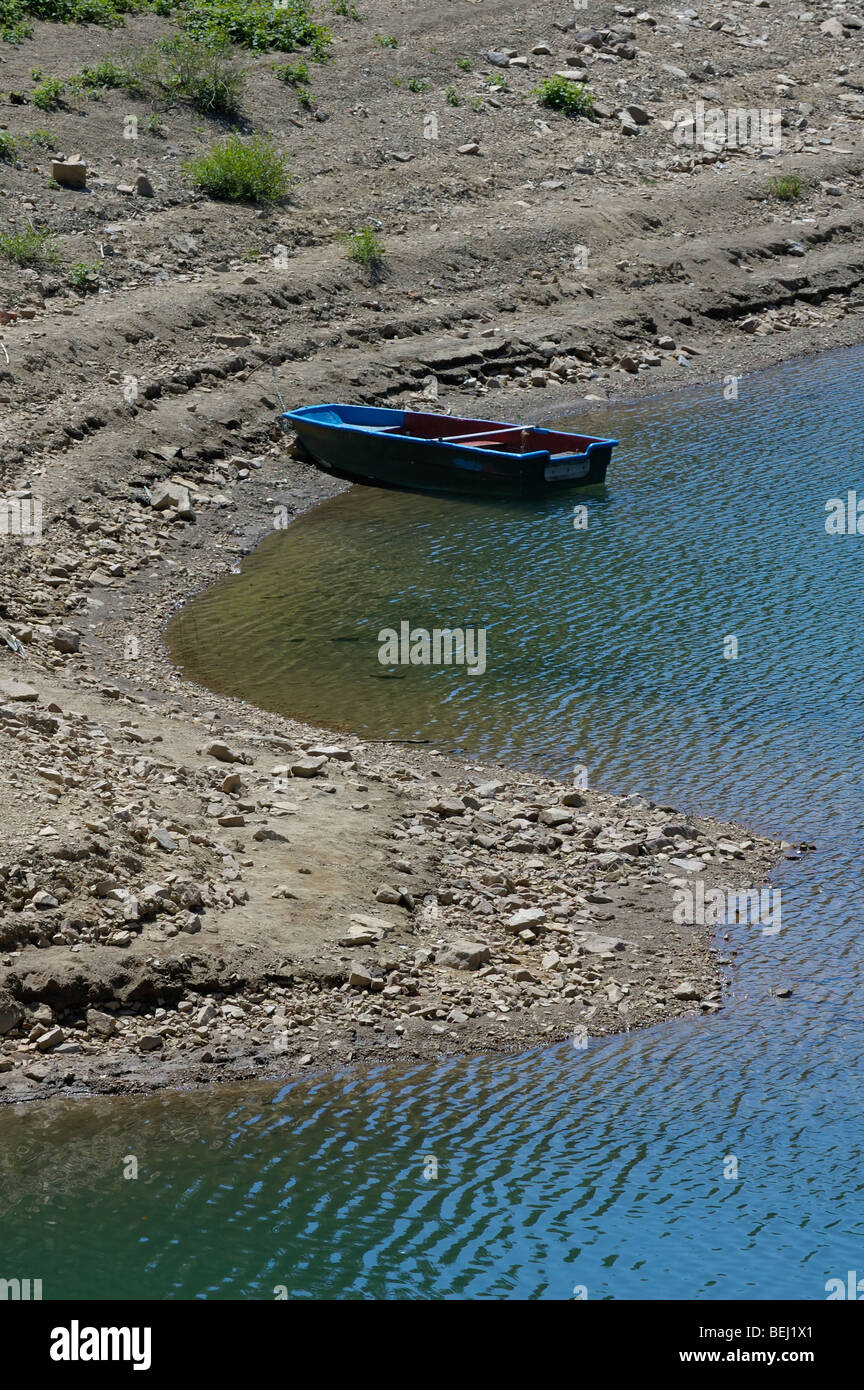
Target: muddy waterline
712 1158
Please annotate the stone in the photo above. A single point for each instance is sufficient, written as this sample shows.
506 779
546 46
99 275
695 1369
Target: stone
500 59
464 955
308 767
638 114
104 1025
542 49
222 753
11 1014
71 173
174 497
388 894
17 690
832 28
448 806
361 936
359 977
163 839
49 1040
687 990
471 148
143 186
525 920
66 640
44 901
231 783
150 1042
601 945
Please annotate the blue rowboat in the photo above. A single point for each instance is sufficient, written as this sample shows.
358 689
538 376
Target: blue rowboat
442 453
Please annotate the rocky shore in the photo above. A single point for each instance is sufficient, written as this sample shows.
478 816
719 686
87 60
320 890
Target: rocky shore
192 890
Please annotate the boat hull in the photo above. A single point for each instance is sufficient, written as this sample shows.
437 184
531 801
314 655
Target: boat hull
398 460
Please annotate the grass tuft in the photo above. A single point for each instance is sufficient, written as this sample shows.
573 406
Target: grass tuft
786 187
242 171
563 94
31 246
366 248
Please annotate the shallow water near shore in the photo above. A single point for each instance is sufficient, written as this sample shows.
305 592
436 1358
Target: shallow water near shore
607 1169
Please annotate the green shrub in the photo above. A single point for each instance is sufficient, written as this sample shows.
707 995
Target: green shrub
238 170
417 84
49 94
13 22
108 12
204 74
465 64
786 187
563 94
42 137
258 24
451 96
105 76
7 148
29 247
366 248
294 74
498 79
346 8
386 40
155 125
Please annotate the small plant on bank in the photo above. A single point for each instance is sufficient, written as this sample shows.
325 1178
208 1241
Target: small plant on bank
7 148
156 126
786 187
48 95
346 8
417 84
242 171
84 277
563 94
497 79
464 65
451 96
305 98
366 248
386 40
204 74
107 76
31 246
42 137
293 74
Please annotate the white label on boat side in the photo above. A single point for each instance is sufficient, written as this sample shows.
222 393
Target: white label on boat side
566 470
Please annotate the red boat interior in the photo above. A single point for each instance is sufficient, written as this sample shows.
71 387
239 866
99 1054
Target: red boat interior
487 434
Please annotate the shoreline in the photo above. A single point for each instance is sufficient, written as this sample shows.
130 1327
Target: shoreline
598 959
172 911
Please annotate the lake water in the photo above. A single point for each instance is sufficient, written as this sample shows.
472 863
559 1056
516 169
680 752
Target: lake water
612 1169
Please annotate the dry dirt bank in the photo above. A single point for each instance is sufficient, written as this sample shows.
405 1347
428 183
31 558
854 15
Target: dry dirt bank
189 890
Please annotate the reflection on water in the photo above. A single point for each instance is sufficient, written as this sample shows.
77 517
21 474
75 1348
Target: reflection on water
557 1168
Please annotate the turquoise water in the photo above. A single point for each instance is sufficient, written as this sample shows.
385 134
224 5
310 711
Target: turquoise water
606 1169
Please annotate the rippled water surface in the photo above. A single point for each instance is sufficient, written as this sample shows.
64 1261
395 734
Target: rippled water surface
557 1169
